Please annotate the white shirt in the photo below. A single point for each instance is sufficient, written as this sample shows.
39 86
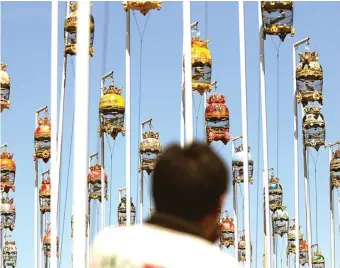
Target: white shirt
150 246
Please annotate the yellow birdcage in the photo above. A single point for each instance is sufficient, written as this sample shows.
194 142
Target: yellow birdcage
143 6
5 88
277 18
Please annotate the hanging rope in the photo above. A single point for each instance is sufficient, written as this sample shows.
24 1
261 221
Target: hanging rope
277 47
104 55
141 35
197 113
316 193
67 183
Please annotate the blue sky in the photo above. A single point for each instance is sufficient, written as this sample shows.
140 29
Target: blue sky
25 47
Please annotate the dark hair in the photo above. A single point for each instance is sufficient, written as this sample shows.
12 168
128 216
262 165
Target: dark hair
188 182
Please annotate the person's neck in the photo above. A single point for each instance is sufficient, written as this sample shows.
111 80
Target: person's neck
176 223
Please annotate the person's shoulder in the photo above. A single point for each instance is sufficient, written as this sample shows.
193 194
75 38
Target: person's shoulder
226 258
116 232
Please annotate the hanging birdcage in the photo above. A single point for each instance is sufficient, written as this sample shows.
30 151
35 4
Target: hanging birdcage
45 195
70 27
277 18
5 87
309 80
112 109
237 165
122 212
280 221
335 169
47 244
143 6
275 193
201 62
7 169
227 229
303 250
42 139
86 224
291 239
10 253
8 213
217 118
242 257
150 150
318 260
94 179
313 128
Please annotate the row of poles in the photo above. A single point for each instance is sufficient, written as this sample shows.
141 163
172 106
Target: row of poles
81 132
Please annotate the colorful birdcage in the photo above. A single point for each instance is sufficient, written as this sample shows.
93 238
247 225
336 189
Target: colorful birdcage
309 80
335 169
94 179
70 26
8 213
237 165
303 250
122 212
275 193
5 88
10 253
313 128
7 169
277 18
112 109
150 150
280 221
217 119
86 224
42 139
291 238
47 244
318 260
45 194
143 6
201 62
227 229
242 257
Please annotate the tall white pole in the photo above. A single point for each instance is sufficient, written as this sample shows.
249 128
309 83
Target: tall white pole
141 184
36 204
331 212
80 165
37 242
307 204
182 133
235 206
244 131
102 176
141 213
296 166
267 243
189 134
2 233
296 158
61 116
128 121
54 117
102 158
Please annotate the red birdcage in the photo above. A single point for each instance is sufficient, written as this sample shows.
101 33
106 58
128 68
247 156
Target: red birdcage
217 118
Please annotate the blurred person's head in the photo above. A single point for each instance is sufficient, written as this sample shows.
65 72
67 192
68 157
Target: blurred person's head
191 183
